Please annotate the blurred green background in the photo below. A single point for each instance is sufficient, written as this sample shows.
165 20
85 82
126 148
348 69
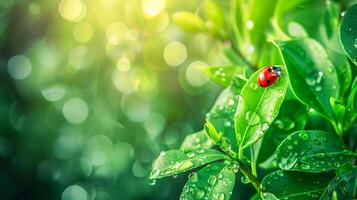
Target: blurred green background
92 91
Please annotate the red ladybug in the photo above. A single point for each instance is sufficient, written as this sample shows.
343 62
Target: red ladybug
269 75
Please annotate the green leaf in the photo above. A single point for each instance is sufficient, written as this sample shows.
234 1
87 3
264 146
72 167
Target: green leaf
295 185
294 17
343 186
214 182
257 108
312 151
313 78
212 132
348 33
352 97
222 113
175 162
221 75
197 140
188 21
288 121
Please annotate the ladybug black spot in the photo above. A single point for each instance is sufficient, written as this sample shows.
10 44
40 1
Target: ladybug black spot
268 81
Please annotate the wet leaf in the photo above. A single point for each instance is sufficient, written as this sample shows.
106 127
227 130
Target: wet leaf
222 75
344 186
197 140
214 182
295 185
312 151
175 162
348 33
313 78
257 108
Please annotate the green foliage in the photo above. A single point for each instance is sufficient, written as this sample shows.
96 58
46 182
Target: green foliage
342 186
295 185
274 127
312 151
212 182
177 161
348 33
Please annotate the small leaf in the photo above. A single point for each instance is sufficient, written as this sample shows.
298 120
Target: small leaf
257 108
312 151
221 75
188 21
175 162
313 78
212 132
343 186
214 182
348 33
295 185
197 140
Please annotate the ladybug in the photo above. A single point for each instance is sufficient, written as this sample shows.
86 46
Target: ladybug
269 75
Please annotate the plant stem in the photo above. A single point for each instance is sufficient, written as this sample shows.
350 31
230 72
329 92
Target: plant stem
244 169
246 172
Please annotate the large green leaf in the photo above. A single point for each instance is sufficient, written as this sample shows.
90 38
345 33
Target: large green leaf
348 33
257 108
197 140
345 186
214 182
312 151
177 161
222 113
295 185
313 78
288 120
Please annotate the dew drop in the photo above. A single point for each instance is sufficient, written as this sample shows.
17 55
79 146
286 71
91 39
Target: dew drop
220 196
252 118
152 182
304 136
199 194
254 86
290 147
200 151
318 88
317 142
245 179
305 166
280 173
348 29
191 154
212 180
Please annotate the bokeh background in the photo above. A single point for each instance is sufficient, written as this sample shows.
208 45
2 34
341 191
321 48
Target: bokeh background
92 91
